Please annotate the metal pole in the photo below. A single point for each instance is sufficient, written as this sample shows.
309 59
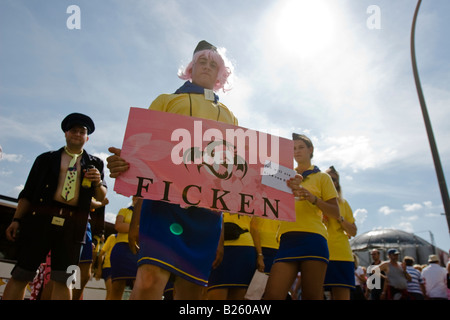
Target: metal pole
434 150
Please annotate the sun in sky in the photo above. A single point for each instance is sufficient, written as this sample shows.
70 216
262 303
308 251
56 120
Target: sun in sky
303 29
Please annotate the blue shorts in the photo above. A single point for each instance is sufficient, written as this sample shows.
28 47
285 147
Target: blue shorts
236 270
340 274
123 262
181 240
86 249
269 255
300 246
106 273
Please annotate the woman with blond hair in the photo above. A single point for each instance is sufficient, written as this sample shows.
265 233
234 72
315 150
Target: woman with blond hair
340 278
303 243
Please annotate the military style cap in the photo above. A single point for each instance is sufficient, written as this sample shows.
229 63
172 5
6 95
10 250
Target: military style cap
78 119
204 45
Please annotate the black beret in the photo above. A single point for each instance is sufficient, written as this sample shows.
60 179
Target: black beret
77 119
204 45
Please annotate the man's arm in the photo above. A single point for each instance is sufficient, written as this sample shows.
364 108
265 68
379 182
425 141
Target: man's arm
23 207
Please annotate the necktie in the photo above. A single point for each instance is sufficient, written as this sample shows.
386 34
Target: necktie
68 191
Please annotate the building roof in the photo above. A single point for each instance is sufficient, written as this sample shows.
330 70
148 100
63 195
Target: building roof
407 243
386 238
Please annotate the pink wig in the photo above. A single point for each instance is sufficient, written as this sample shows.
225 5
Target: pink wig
225 68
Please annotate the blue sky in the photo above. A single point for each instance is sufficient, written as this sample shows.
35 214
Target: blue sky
305 66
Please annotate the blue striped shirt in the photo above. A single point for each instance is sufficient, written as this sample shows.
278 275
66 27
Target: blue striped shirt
416 280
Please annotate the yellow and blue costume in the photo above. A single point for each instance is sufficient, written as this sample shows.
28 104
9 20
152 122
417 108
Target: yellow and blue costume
340 271
107 248
239 256
268 230
123 261
305 238
182 240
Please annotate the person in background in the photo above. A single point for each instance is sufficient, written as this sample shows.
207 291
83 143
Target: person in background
360 280
435 278
396 284
104 264
85 264
123 260
340 272
303 243
87 252
268 230
375 292
416 288
53 209
230 280
98 226
266 238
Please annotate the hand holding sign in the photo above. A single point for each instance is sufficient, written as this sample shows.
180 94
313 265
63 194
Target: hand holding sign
116 164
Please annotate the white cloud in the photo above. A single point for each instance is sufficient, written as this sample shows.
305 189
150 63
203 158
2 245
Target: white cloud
360 215
428 204
11 157
386 210
412 207
410 218
406 226
28 129
357 152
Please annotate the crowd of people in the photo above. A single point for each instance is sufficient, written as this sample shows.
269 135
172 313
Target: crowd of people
218 255
402 280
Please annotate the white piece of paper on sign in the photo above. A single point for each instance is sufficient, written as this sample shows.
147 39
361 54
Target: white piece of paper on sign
275 176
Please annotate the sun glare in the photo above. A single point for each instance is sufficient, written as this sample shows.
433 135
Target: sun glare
304 28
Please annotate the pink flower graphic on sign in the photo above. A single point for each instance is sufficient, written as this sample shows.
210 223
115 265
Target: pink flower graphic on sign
141 146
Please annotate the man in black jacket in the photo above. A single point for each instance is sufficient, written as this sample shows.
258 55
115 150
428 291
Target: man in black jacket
53 209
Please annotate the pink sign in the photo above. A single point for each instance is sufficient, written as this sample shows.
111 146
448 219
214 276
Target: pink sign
196 162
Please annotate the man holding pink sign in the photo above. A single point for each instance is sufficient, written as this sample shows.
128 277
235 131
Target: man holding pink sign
187 178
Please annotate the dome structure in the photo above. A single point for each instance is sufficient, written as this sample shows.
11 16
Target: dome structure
384 239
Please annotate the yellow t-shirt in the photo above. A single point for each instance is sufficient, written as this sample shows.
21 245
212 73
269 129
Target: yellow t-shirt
338 242
245 239
127 215
268 230
201 108
107 248
309 216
